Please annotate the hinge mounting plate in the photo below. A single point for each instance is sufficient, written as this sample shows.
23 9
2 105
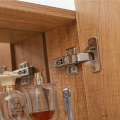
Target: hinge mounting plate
26 72
93 49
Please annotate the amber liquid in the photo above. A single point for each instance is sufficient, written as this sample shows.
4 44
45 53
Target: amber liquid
44 115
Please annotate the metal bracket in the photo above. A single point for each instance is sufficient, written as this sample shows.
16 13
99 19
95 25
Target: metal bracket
26 72
93 51
91 57
25 80
3 68
72 69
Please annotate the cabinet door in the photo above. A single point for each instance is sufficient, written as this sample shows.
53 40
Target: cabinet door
101 19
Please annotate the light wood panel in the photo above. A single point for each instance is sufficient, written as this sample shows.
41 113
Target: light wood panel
32 17
14 36
100 18
31 50
57 41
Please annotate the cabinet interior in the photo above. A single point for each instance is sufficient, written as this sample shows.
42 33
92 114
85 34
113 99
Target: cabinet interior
38 34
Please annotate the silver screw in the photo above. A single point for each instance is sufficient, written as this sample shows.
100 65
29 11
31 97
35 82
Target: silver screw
74 68
90 41
69 69
93 68
58 62
72 52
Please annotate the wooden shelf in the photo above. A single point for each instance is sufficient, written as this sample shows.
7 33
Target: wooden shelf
32 17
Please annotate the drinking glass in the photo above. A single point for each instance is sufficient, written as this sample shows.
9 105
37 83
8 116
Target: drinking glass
12 105
42 101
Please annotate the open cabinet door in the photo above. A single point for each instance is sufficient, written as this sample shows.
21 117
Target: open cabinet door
100 18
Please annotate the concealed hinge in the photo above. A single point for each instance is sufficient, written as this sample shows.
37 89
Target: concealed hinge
26 72
72 58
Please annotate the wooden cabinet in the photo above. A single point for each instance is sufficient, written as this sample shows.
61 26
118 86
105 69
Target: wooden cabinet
38 34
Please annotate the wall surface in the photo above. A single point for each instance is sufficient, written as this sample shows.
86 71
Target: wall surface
100 18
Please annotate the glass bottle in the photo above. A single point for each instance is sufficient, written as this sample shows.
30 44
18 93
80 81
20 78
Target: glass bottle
12 105
42 101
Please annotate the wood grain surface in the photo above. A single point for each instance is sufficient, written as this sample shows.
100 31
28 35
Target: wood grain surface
20 15
57 41
15 36
100 18
32 51
5 57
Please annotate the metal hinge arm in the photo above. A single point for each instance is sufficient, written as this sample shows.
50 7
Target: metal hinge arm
81 57
71 59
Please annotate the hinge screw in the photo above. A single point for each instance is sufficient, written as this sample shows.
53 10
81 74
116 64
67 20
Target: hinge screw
93 68
90 41
69 69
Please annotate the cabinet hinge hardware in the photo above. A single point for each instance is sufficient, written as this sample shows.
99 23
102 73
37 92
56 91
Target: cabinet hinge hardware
72 58
26 73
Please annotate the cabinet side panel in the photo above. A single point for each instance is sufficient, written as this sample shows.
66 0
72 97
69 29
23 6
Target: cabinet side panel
57 41
5 57
100 18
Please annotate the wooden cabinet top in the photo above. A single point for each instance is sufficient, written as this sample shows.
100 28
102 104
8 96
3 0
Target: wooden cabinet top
32 17
22 20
